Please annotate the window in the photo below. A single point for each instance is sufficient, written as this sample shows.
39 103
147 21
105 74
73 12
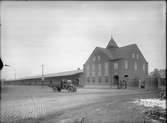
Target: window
137 56
87 70
99 69
135 66
98 57
126 64
99 79
88 80
93 69
144 67
87 73
94 59
106 79
88 67
115 66
50 82
93 79
133 55
106 68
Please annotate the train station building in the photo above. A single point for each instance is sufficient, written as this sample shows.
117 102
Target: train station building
106 67
113 64
75 75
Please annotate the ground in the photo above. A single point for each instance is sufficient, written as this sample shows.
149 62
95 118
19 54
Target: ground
35 104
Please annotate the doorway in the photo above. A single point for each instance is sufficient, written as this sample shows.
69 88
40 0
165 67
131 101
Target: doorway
116 80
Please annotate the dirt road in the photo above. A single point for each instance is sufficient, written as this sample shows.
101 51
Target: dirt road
110 109
92 105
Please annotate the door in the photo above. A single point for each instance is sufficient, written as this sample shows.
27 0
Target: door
116 80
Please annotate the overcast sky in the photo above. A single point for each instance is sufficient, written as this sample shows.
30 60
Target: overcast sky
62 35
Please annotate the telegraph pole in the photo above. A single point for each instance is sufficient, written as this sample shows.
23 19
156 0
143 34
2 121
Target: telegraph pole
42 69
42 74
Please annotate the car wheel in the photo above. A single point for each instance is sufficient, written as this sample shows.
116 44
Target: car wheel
70 89
59 89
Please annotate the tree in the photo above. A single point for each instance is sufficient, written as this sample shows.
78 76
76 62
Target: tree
156 73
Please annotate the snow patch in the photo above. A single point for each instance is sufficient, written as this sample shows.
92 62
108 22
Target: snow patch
151 102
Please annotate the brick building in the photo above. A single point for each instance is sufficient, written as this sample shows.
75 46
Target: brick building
111 65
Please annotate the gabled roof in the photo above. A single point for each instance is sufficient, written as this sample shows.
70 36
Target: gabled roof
123 51
113 52
117 53
106 51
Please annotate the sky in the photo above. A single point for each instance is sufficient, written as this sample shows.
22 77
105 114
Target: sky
62 34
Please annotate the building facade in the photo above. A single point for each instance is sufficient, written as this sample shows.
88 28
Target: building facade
111 65
76 76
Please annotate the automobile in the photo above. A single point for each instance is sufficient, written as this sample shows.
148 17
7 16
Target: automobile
63 84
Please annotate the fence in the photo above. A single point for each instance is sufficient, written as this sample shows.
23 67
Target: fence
151 83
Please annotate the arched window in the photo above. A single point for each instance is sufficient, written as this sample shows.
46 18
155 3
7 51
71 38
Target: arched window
93 69
126 64
94 58
87 70
98 57
137 56
106 68
144 67
99 69
116 66
135 66
133 55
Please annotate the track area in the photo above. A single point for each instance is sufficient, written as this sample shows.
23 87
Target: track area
23 102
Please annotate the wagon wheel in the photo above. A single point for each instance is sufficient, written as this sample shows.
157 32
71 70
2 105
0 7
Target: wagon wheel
64 86
70 89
